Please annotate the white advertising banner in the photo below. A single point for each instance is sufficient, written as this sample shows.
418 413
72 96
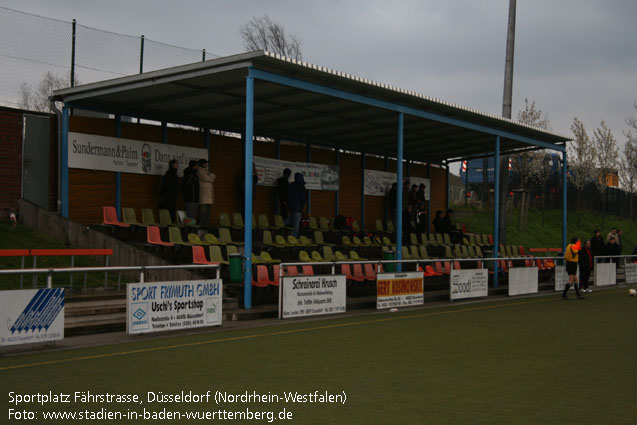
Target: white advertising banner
316 176
399 290
561 278
523 280
605 274
167 306
31 315
378 183
312 295
631 273
92 152
469 283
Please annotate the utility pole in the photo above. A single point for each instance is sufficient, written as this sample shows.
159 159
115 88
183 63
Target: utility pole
506 113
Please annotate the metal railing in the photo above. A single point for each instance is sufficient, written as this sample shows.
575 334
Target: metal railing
141 269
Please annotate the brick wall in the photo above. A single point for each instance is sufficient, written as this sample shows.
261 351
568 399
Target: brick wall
10 159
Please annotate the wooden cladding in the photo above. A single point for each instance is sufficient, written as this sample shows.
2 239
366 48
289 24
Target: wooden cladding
90 190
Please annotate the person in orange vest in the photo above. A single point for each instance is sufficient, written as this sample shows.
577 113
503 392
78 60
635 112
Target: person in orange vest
571 256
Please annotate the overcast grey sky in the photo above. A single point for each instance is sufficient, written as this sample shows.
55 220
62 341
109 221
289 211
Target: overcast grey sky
575 58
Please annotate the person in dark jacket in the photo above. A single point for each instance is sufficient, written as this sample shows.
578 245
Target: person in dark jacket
170 189
190 189
585 266
282 184
438 222
297 198
597 244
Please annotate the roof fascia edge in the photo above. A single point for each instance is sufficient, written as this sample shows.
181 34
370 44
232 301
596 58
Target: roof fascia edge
330 91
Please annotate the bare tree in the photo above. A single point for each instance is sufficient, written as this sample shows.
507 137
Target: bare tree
527 165
606 155
263 33
581 161
628 164
38 99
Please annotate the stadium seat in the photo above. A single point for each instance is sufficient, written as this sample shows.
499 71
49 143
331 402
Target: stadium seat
276 274
540 264
347 241
413 239
478 250
224 220
199 255
148 218
448 253
345 269
313 224
305 241
278 222
263 223
316 256
237 220
390 227
379 226
225 237
431 272
324 224
356 226
369 272
357 241
265 256
357 271
263 280
267 238
423 252
318 238
439 268
413 250
291 271
280 242
194 239
339 256
354 256
439 240
174 236
215 254
328 255
212 239
129 217
293 241
369 242
447 239
153 237
304 257
110 217
166 220
308 270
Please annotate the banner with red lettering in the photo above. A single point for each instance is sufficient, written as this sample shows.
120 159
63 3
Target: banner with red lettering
399 290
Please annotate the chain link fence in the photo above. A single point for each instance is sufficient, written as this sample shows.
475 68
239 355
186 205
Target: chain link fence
38 55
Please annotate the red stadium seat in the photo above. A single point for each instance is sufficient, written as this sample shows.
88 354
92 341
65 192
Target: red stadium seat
153 237
199 255
308 270
345 269
110 217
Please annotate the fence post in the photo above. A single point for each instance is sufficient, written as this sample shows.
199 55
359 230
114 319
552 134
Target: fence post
141 275
35 276
72 265
73 54
49 279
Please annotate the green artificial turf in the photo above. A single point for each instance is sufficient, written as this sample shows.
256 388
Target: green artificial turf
536 360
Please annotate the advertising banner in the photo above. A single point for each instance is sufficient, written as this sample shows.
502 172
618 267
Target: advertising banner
316 176
523 280
303 296
631 273
469 283
399 290
561 278
167 306
378 183
31 315
605 274
92 152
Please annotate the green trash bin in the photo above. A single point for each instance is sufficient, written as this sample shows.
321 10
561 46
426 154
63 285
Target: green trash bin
236 263
389 255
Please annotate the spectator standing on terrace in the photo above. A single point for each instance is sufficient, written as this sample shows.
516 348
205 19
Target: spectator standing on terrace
420 195
585 266
405 195
296 200
206 193
170 189
597 244
407 216
438 222
282 184
572 258
190 189
392 201
421 218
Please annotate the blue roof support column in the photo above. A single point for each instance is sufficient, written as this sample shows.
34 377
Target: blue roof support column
277 153
399 191
447 184
386 211
308 159
429 201
362 189
118 175
247 212
64 162
337 194
564 189
496 210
